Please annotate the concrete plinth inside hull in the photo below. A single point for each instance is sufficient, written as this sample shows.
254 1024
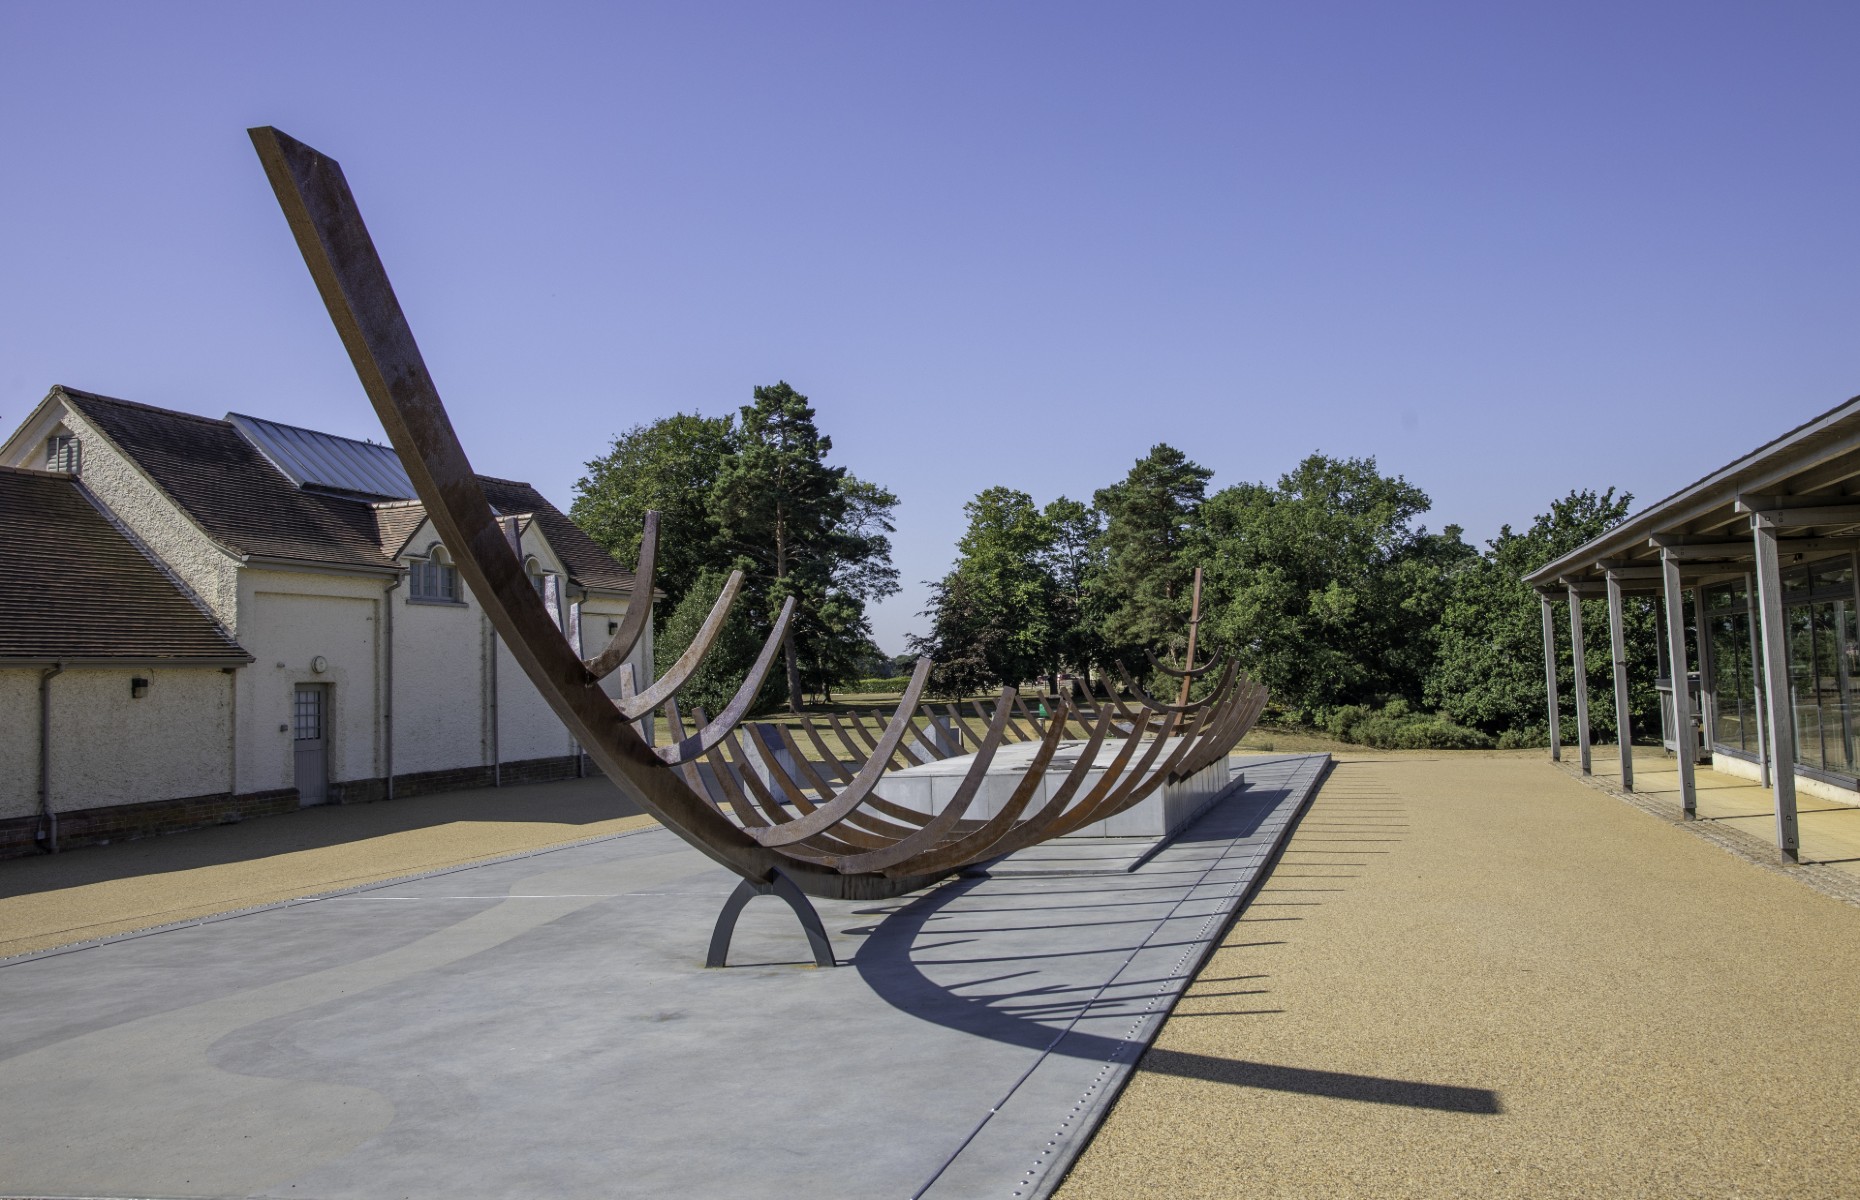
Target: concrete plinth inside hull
928 788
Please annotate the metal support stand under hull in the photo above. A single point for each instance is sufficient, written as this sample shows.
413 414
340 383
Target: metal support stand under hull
781 886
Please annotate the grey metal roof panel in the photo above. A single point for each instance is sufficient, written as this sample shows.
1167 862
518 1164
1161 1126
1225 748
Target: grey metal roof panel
315 459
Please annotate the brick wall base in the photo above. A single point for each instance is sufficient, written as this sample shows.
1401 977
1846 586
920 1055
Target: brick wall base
124 822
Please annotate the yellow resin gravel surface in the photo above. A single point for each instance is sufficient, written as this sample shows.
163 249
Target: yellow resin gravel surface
1473 976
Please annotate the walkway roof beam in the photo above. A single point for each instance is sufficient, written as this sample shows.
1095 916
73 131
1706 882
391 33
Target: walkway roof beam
1703 550
1806 518
1748 502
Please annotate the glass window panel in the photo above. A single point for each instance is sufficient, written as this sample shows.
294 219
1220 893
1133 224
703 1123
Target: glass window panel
1840 739
1722 597
1801 624
1732 686
309 714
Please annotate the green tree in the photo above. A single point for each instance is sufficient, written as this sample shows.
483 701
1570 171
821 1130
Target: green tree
798 527
1073 559
1324 587
1150 546
1489 670
668 465
993 617
713 684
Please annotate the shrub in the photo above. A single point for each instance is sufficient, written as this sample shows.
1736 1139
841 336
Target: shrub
1342 722
1397 727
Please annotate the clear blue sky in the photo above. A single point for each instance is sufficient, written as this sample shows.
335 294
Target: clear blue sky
1506 249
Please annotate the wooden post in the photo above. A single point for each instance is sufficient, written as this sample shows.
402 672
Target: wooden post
1582 678
1617 639
1777 695
1556 733
1682 695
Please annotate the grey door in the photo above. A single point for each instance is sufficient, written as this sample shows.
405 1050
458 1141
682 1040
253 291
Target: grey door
310 727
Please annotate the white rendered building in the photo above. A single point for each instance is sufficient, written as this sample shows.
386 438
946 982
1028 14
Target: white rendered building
202 620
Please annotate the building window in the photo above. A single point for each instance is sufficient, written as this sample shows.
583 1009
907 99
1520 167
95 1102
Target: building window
308 714
61 453
538 579
1823 640
434 579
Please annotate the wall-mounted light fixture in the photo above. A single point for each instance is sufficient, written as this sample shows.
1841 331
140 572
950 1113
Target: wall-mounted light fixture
138 688
613 627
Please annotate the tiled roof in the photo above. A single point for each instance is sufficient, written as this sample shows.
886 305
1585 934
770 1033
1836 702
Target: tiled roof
246 503
222 482
76 588
588 565
396 522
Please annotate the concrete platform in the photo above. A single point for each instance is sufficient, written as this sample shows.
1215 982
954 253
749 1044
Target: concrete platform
542 1026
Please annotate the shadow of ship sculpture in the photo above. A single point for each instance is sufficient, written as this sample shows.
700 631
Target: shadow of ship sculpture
823 828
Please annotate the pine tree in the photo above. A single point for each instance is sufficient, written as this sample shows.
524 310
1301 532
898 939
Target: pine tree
1150 546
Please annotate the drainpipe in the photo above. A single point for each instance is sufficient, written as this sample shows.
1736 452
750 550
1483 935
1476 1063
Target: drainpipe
45 756
232 732
497 762
387 684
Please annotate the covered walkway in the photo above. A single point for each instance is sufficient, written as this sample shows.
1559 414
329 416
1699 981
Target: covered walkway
1744 816
1754 572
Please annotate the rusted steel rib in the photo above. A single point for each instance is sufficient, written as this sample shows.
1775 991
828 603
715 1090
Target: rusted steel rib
680 671
927 742
1179 672
934 734
1036 828
861 786
1026 714
833 762
903 750
974 847
805 767
985 717
708 736
1147 701
1109 802
939 826
638 609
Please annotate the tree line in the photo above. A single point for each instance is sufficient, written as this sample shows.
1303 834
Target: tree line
1325 585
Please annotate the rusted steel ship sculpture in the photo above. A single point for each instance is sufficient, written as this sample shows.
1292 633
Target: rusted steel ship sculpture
787 825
